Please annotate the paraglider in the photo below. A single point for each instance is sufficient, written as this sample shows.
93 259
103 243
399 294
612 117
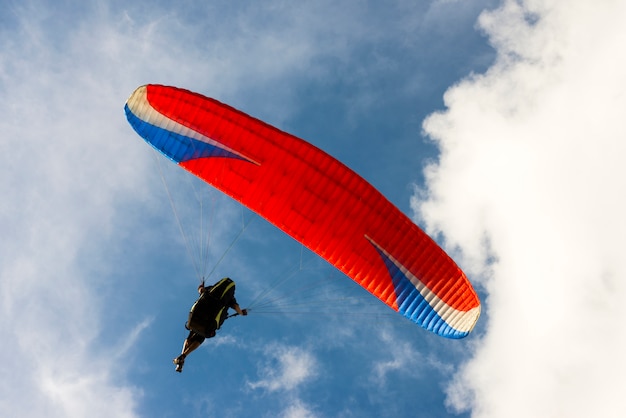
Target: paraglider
207 315
312 197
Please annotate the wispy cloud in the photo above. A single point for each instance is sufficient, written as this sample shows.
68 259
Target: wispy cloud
298 410
60 194
286 369
401 357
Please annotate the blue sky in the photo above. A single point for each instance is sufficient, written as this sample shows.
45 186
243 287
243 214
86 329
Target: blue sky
497 125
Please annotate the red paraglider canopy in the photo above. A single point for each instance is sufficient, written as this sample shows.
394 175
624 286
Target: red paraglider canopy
312 197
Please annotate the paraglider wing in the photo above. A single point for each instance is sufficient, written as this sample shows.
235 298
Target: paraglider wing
312 197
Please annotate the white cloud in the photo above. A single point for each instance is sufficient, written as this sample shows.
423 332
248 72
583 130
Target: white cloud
298 410
286 370
288 367
399 357
64 173
530 187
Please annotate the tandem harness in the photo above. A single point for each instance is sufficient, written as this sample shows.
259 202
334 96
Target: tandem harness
208 313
